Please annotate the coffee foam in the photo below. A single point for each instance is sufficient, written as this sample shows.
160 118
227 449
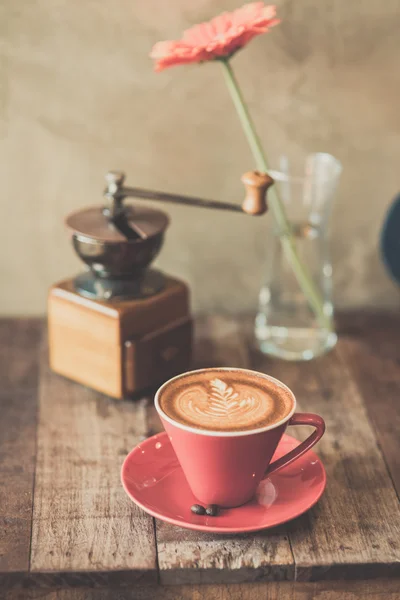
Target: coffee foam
225 400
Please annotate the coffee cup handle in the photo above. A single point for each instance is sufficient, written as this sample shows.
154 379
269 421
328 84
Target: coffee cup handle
299 419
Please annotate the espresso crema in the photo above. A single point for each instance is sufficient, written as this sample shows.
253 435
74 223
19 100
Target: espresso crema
225 400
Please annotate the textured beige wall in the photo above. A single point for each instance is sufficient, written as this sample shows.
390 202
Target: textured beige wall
79 96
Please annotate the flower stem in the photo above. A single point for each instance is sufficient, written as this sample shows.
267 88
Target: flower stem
285 230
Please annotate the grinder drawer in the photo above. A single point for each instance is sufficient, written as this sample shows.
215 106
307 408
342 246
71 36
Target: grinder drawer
157 356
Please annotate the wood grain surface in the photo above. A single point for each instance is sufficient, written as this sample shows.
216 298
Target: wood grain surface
378 589
84 529
371 346
67 524
19 355
19 345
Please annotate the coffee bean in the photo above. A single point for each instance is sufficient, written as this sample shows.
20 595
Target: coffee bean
198 509
212 510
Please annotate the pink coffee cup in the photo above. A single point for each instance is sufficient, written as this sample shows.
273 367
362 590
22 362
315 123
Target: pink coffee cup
225 467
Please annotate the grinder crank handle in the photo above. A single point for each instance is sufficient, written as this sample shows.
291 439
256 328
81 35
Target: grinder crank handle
255 202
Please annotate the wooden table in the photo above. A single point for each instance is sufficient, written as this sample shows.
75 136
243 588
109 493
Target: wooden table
68 531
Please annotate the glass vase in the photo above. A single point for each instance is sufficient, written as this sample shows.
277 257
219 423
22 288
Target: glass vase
285 325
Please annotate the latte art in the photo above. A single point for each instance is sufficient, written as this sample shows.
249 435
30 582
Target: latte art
224 401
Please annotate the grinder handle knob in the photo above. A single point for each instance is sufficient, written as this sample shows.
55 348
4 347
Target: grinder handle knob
256 184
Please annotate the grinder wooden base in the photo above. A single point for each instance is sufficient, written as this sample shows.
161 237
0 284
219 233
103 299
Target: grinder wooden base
120 347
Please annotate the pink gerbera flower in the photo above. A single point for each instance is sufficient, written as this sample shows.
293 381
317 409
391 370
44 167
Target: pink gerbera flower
219 38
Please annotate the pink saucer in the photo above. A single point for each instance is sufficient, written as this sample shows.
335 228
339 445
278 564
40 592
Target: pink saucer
153 479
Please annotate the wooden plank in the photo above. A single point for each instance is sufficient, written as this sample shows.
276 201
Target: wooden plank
17 464
190 557
85 530
19 341
354 531
370 344
321 590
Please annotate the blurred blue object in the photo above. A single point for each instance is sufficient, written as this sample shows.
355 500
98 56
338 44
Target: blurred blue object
390 240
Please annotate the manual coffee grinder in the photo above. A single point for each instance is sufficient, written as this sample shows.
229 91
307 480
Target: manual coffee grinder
121 327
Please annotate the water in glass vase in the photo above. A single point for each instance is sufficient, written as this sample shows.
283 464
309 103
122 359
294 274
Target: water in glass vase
286 325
